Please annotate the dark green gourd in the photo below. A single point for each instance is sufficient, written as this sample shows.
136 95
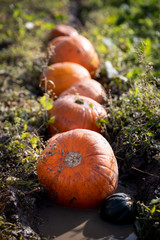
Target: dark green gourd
118 208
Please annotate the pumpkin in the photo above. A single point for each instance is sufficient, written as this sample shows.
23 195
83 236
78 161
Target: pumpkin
89 88
78 168
73 112
60 76
63 30
51 45
118 208
76 49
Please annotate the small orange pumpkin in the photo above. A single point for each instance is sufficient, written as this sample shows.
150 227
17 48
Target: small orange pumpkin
63 30
89 88
76 49
78 168
73 112
60 76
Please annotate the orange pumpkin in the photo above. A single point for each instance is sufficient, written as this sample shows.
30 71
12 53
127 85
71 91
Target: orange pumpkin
60 76
73 112
78 168
89 88
52 43
63 30
76 49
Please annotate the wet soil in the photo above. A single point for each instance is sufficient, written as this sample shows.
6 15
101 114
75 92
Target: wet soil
59 223
38 217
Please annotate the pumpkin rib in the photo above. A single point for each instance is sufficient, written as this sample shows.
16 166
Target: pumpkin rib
99 154
104 166
96 154
109 180
96 184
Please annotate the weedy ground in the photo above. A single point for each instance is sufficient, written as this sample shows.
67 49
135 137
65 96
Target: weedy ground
126 33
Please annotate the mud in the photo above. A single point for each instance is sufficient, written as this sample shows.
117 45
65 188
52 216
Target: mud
59 223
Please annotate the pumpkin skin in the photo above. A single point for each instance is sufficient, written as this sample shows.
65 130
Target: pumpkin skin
63 76
63 30
89 88
52 43
118 208
73 112
57 40
78 168
76 49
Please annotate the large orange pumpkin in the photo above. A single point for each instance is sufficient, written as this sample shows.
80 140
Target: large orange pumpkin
89 88
60 76
78 168
63 30
76 49
73 112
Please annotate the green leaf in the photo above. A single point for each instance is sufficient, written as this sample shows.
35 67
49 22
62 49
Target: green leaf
34 140
155 201
104 120
51 120
51 68
102 48
25 127
48 26
25 135
46 102
18 119
149 134
21 145
101 121
153 209
91 105
136 91
147 49
16 13
111 19
147 208
24 160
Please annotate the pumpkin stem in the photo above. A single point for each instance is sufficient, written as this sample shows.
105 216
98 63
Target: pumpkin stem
73 159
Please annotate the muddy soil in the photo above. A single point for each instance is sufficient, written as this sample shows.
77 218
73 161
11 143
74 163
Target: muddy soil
38 217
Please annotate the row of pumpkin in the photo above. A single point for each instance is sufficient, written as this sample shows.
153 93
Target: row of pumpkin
73 62
78 166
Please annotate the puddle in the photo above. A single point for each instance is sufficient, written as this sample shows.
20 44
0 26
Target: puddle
60 223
